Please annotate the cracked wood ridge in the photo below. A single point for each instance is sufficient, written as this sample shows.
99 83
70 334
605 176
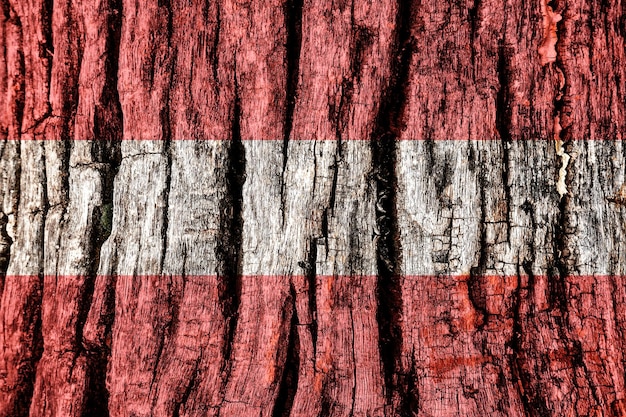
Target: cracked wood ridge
311 208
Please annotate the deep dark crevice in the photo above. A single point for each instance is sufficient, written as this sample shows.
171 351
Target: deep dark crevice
475 281
65 184
188 390
389 287
291 369
355 254
27 371
332 199
329 210
18 185
558 273
520 377
97 393
338 113
165 116
20 96
106 150
473 17
578 360
229 250
70 105
503 124
46 48
167 152
5 249
324 226
560 270
293 22
326 402
310 271
442 171
389 125
5 9
411 399
108 134
97 402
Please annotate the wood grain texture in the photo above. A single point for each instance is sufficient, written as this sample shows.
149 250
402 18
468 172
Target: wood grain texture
309 208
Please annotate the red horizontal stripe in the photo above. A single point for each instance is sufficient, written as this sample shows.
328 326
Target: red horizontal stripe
458 277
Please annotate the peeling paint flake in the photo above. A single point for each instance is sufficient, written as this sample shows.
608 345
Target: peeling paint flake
547 50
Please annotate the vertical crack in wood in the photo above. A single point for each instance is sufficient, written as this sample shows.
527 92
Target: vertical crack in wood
167 128
558 295
310 271
107 130
106 149
293 22
549 53
532 404
46 47
229 248
28 369
188 390
475 281
503 124
473 16
5 249
165 113
291 368
389 124
563 260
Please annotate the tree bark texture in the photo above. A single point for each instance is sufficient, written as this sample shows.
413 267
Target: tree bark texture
312 208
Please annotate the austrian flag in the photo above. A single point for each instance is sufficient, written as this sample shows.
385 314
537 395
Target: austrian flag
289 208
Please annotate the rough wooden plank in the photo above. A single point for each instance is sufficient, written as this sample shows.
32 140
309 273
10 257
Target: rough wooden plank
501 318
176 221
338 102
20 314
291 230
257 41
592 215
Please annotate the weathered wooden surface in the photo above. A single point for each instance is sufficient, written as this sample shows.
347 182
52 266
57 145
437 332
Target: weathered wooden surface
309 208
